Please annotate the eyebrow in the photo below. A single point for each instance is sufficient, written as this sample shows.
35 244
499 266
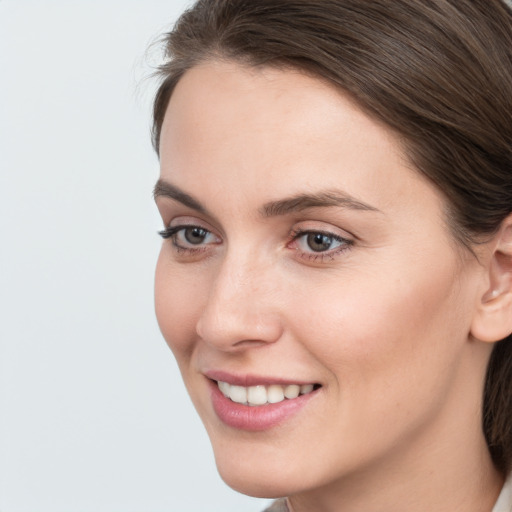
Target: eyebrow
165 189
325 199
286 206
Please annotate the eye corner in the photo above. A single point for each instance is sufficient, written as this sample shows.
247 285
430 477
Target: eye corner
189 240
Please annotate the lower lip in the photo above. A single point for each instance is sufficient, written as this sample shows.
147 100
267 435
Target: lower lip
255 418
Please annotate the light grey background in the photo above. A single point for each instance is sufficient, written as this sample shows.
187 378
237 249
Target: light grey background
93 414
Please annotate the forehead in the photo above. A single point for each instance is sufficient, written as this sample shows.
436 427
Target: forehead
248 127
229 94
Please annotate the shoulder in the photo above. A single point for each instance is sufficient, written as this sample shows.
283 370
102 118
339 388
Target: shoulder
280 506
504 503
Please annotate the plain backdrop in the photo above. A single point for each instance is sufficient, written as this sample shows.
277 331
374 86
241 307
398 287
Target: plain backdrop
93 414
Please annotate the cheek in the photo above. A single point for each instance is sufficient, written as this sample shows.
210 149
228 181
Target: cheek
177 305
388 346
387 336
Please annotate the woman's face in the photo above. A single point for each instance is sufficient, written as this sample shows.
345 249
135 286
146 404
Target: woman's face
303 255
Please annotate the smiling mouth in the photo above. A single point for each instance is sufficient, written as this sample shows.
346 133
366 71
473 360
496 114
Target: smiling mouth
263 395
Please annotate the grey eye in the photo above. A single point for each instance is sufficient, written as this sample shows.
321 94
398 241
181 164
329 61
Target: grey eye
319 242
195 235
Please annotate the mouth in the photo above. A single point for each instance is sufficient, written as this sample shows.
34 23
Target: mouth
264 395
257 403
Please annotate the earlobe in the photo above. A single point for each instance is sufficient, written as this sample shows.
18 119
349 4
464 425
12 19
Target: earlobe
493 319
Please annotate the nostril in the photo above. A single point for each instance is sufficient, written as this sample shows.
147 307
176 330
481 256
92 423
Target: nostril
250 343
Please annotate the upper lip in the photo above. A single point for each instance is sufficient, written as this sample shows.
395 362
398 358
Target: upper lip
247 380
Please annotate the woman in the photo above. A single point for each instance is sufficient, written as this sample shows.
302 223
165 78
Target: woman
336 275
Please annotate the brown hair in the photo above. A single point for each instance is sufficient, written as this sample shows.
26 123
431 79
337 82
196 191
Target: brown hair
438 72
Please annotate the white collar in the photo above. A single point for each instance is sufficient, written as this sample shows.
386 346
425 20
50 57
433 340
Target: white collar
504 503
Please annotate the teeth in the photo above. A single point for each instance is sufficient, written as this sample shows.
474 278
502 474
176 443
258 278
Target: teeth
261 395
238 394
257 395
275 394
292 391
306 388
224 387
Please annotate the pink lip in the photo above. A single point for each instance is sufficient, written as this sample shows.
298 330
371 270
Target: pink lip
255 418
250 380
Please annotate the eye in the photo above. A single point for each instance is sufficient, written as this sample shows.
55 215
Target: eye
318 244
188 237
194 236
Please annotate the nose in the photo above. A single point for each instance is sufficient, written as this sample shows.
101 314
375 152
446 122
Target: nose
241 310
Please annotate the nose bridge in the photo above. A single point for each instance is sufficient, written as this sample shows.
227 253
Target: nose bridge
240 306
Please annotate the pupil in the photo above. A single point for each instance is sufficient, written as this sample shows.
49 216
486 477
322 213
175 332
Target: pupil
195 235
319 242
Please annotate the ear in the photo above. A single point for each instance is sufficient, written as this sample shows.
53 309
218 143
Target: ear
493 320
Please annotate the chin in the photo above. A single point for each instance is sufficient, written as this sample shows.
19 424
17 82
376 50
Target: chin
260 475
266 485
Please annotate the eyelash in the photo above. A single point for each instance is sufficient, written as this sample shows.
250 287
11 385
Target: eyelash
295 235
172 232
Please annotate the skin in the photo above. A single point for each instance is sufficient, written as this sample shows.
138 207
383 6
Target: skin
381 320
